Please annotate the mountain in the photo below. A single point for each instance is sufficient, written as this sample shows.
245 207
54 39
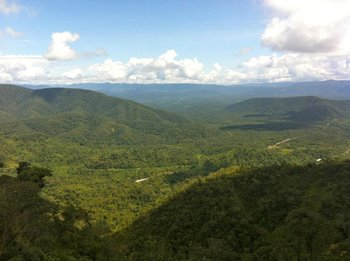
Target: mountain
271 213
89 117
302 109
160 93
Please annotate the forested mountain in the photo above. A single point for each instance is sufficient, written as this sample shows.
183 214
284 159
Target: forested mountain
89 117
304 109
271 213
85 176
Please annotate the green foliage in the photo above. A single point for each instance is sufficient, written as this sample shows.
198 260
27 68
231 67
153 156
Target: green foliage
283 106
271 213
32 174
237 186
32 228
87 117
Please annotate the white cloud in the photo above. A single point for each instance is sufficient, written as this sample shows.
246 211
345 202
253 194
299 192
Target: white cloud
168 69
108 70
314 38
311 26
165 68
213 75
17 68
8 31
8 7
74 73
291 67
60 49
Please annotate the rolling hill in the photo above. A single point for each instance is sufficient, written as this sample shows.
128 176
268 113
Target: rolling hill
89 117
301 109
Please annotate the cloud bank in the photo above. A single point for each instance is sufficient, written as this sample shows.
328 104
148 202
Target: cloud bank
311 40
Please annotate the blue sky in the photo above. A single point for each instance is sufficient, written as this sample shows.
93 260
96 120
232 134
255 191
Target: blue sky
211 41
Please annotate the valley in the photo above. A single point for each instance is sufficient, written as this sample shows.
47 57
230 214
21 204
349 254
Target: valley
175 130
123 164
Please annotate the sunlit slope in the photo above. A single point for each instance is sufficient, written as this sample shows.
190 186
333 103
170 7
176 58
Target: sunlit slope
89 117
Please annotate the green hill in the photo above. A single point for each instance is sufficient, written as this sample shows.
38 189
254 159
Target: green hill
272 213
302 109
89 117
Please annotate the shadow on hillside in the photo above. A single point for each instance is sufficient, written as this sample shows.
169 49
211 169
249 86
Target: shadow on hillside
258 115
230 216
272 126
183 175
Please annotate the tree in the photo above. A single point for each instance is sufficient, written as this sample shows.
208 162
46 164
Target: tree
33 174
305 236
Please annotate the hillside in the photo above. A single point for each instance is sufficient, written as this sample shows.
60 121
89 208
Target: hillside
302 109
89 117
272 213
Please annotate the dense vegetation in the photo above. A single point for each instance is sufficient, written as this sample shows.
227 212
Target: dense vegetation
33 228
87 117
223 181
270 213
301 109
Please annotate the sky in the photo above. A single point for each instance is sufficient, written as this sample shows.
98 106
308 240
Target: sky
173 41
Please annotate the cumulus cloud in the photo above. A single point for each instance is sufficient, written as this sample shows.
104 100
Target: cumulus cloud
108 70
312 26
168 69
8 7
73 74
164 68
60 49
313 38
291 67
18 68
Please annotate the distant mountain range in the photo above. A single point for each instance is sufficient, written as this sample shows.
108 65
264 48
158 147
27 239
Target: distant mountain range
88 117
151 93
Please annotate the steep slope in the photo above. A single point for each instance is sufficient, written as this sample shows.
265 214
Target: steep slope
303 109
90 117
273 213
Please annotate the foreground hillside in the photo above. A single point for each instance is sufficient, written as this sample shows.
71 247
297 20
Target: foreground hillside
271 213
